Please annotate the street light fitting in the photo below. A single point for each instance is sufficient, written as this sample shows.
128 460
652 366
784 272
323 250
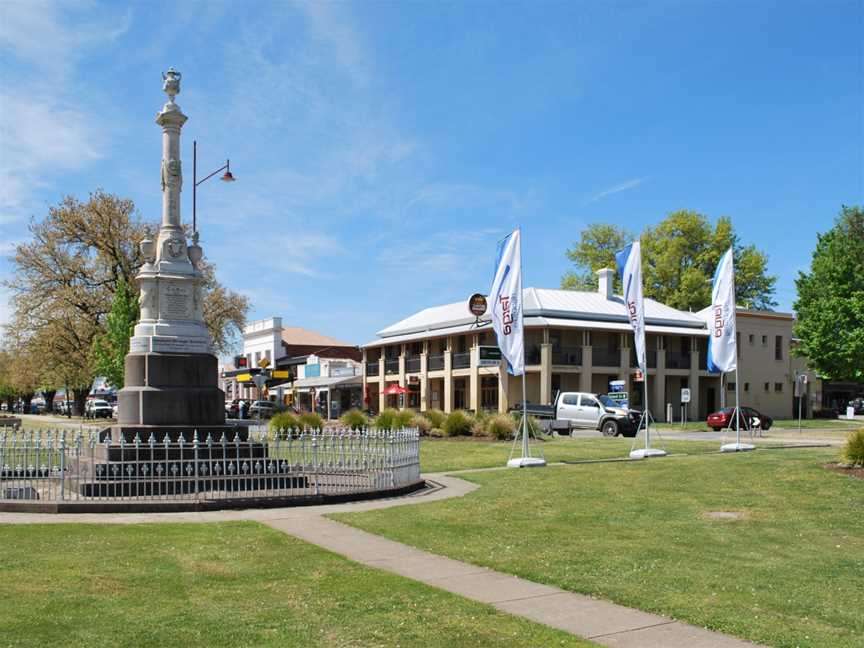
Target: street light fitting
226 177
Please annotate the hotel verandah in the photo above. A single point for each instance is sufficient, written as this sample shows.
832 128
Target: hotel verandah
575 341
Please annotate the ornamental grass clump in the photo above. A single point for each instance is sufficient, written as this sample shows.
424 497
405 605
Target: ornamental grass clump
354 419
436 417
282 424
501 427
393 419
853 451
311 421
423 425
457 424
478 424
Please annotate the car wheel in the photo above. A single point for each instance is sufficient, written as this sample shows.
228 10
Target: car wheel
609 428
716 429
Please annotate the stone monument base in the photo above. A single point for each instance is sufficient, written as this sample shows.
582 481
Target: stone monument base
171 390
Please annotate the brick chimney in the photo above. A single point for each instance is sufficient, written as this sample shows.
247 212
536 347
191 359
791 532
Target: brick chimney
607 279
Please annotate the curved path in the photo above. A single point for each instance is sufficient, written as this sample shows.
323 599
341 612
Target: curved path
603 622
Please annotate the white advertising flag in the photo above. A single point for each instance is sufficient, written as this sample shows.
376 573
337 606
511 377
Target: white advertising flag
722 351
629 261
506 301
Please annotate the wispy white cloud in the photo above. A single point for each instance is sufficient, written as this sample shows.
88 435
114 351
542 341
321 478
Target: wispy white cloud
618 188
43 130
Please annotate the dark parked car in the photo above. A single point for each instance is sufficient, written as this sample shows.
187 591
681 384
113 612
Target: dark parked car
857 405
719 420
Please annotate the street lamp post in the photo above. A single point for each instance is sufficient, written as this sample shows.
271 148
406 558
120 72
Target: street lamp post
226 177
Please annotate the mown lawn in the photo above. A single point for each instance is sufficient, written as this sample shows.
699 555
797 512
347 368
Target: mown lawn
440 455
790 572
231 584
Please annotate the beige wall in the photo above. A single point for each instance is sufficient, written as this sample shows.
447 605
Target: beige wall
757 366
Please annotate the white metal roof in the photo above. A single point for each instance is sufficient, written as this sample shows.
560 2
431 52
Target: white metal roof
592 308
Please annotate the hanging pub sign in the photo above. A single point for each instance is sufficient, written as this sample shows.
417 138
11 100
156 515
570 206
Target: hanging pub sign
477 305
489 356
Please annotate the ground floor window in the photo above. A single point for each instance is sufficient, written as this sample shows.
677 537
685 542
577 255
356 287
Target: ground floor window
489 393
413 396
459 394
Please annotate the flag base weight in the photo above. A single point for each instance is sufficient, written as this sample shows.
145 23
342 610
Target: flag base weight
737 447
644 453
526 462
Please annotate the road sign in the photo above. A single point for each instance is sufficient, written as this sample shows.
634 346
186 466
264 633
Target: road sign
489 356
685 394
260 380
264 362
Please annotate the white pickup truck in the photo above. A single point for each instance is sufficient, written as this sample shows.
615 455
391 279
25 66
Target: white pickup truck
587 411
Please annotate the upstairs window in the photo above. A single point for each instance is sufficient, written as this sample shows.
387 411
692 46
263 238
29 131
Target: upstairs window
778 387
778 347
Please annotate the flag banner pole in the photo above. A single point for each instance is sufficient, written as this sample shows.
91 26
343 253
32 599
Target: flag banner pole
722 340
506 299
629 263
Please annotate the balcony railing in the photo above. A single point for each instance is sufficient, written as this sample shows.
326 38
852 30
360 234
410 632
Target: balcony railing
703 361
606 357
461 360
532 356
412 365
650 357
372 368
391 365
677 359
567 356
435 362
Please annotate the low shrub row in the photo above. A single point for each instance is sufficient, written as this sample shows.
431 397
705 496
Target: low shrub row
429 423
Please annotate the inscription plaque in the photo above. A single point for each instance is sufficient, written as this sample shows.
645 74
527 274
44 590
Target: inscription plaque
176 302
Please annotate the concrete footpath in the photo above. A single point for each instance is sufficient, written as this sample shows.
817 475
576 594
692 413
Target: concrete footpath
603 622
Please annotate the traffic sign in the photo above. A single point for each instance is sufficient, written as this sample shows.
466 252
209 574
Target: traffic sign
685 394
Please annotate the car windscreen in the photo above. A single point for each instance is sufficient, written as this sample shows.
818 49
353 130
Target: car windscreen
607 402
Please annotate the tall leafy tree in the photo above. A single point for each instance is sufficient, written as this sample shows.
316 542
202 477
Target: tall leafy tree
679 257
66 276
595 249
110 348
829 309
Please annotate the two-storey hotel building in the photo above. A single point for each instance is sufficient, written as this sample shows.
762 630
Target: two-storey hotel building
576 341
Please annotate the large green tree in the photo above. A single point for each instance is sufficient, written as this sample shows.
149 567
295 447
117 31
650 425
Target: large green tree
111 347
679 257
829 309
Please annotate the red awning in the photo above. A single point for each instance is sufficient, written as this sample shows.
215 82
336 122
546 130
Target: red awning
394 389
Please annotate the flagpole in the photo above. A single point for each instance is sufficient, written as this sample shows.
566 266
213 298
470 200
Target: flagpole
647 424
737 411
526 451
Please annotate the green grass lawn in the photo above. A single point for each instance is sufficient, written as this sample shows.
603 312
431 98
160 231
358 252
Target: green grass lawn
441 455
232 584
790 573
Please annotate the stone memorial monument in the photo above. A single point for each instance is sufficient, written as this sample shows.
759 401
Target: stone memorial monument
171 370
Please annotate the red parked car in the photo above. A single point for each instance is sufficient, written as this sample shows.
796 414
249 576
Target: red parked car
720 420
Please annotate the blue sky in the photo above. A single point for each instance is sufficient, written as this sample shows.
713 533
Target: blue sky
382 148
